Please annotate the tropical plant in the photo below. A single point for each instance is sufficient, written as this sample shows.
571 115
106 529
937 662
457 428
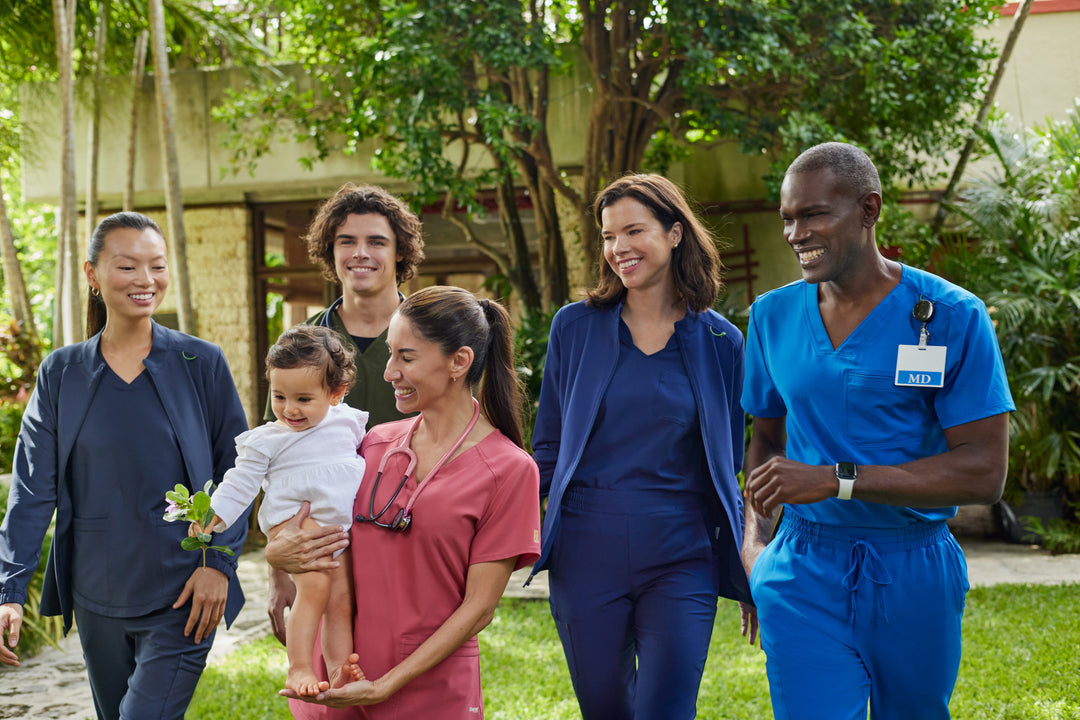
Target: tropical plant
455 96
530 350
1023 259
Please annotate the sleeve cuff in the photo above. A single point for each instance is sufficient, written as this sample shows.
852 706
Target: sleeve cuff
12 596
220 561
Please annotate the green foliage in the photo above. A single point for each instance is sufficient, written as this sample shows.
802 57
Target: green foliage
37 629
1019 658
453 97
898 79
182 505
10 422
1058 535
249 678
1019 663
530 350
1024 261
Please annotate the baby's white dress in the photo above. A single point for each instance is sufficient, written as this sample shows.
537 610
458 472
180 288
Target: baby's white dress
319 465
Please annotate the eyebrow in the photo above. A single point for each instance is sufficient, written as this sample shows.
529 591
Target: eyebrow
805 209
370 236
624 227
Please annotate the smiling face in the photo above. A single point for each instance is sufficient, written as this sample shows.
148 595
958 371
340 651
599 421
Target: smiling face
132 273
299 396
418 369
636 246
365 256
830 230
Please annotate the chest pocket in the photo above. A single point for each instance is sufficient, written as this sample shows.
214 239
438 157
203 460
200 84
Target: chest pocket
878 414
674 400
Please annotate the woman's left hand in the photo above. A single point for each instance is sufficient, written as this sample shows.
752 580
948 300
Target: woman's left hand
207 588
361 692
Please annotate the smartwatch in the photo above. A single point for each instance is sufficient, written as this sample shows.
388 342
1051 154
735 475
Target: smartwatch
846 474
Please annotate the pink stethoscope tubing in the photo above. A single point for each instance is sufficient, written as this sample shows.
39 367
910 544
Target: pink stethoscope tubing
403 519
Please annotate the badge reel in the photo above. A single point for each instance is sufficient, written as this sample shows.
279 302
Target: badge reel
921 365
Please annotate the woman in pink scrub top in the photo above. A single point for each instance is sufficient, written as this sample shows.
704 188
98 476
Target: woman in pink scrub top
448 508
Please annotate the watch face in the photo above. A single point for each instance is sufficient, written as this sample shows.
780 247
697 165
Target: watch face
846 470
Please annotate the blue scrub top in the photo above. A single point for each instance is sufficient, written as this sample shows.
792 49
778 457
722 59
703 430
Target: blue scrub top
842 404
125 458
647 435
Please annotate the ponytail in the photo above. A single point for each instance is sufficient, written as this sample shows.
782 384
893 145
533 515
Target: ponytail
500 387
453 318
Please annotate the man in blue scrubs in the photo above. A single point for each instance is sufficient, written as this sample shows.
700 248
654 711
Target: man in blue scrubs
880 403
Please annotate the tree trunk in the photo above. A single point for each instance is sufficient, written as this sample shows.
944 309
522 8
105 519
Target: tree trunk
21 308
137 72
980 119
520 274
553 271
173 203
67 272
91 210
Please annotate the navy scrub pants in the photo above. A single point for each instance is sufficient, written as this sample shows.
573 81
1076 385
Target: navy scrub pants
141 668
856 615
633 593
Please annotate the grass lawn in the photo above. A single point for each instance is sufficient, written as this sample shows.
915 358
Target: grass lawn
1021 662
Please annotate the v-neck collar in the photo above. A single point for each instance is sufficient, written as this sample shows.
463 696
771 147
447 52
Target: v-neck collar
822 342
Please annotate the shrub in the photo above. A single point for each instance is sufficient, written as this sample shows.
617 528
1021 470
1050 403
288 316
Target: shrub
1023 259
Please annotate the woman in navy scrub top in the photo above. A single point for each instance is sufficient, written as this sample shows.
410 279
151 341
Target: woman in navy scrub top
639 437
112 424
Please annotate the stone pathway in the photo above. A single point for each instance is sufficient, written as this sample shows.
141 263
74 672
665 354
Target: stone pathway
53 685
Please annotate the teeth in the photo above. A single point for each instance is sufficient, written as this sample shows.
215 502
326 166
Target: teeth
142 296
626 264
805 257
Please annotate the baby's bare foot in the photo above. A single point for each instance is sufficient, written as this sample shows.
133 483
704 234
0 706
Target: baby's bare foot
350 672
304 682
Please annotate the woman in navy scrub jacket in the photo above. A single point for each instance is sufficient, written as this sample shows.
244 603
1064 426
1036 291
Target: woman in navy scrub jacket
639 437
112 424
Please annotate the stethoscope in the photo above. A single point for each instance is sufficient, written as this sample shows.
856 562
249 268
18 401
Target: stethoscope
403 519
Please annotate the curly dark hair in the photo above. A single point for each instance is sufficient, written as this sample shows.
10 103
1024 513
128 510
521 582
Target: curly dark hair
314 346
365 200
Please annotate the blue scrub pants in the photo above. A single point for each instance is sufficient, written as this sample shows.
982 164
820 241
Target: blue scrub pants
633 593
141 668
851 615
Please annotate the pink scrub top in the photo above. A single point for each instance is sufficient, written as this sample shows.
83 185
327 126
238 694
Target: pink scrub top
482 506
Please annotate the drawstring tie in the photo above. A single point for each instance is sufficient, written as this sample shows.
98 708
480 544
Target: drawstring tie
864 562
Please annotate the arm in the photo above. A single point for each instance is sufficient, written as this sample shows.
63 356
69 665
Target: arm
547 430
208 587
767 442
239 487
971 471
296 549
31 503
484 586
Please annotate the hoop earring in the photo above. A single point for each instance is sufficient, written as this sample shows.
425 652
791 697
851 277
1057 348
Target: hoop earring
95 292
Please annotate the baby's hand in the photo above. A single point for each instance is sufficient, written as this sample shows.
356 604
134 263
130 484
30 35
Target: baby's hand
196 528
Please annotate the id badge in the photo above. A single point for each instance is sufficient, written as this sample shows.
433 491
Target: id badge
920 366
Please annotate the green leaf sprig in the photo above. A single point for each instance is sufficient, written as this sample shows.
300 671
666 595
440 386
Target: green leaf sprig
182 505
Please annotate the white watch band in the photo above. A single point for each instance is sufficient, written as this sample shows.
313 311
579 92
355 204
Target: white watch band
846 486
